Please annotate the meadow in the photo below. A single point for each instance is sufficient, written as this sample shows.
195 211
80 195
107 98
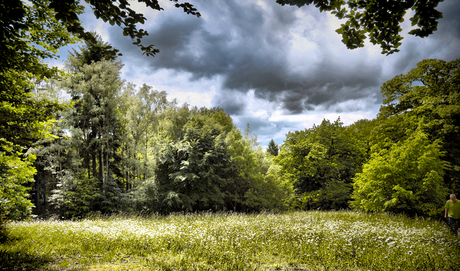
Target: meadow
313 240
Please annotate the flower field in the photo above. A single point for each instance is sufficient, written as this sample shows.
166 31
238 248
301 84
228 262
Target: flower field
228 241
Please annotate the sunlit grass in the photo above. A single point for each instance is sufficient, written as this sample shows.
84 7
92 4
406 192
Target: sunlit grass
288 241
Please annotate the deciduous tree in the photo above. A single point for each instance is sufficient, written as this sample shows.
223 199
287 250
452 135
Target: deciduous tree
142 111
406 177
428 98
378 20
29 33
191 173
320 162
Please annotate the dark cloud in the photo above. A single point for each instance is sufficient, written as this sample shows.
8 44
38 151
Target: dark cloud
408 58
248 44
244 54
444 43
449 26
231 40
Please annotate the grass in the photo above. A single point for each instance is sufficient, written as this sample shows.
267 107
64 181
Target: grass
288 241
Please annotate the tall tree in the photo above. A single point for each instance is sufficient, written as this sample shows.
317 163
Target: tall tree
95 88
141 113
428 98
272 148
95 129
256 182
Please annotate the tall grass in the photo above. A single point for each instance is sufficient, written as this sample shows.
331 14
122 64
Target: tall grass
228 241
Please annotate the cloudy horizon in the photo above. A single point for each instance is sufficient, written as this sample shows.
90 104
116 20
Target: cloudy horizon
278 68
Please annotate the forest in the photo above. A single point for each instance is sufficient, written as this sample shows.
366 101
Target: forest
113 147
85 141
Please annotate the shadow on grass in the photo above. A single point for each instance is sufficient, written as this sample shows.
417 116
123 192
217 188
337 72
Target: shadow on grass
14 258
17 260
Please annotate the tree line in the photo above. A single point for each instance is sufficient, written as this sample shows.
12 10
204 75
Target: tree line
116 147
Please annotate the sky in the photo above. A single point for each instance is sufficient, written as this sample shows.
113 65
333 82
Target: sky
277 68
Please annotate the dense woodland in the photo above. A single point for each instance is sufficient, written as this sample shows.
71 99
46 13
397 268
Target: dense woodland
112 147
116 148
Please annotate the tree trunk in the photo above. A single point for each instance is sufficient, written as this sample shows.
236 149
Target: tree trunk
94 164
101 172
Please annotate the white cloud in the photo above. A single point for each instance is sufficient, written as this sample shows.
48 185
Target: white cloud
178 85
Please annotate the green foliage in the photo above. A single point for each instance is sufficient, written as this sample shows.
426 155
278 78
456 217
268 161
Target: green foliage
320 162
112 199
16 171
192 172
334 196
88 139
379 20
255 181
95 89
428 95
206 163
265 190
272 148
275 191
140 113
23 27
95 50
29 33
241 168
415 148
362 132
79 197
3 229
405 178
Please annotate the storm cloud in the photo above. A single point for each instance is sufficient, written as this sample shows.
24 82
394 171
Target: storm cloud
266 62
250 43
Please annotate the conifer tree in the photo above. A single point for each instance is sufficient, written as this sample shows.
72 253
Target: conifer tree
95 130
272 148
